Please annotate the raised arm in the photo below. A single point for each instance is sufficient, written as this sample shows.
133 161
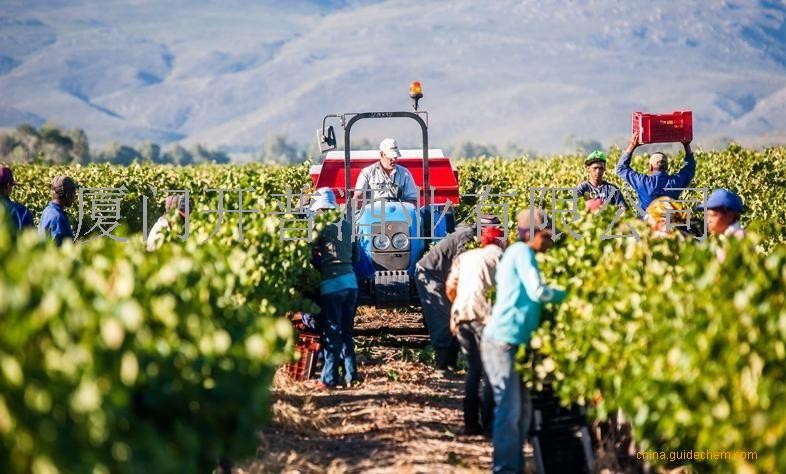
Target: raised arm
624 170
688 170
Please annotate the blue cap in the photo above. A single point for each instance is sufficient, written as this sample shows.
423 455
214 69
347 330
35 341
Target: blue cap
724 198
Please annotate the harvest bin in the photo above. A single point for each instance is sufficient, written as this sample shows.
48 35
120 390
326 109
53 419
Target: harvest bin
664 128
307 347
559 435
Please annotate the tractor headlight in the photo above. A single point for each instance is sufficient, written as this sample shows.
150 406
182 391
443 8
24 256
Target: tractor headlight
381 242
400 241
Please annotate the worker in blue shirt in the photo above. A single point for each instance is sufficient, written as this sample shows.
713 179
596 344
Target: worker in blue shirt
520 296
54 220
18 214
655 183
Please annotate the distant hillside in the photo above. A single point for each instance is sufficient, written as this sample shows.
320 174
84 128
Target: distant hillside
540 75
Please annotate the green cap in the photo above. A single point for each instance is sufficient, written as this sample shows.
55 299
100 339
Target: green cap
595 157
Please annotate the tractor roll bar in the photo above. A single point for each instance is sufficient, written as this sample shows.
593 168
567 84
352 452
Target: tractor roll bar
424 129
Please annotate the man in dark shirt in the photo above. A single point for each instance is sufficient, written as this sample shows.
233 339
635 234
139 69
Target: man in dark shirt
597 191
18 214
431 272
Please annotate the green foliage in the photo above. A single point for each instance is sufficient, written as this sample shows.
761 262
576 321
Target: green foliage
117 359
757 176
132 361
48 144
118 154
280 150
150 153
139 181
471 150
689 345
53 145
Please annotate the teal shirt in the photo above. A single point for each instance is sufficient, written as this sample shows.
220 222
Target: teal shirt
520 297
346 281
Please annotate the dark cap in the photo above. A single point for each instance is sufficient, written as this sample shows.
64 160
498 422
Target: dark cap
64 184
6 176
489 219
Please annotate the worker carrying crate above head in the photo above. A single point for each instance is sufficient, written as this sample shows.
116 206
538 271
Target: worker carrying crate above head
657 182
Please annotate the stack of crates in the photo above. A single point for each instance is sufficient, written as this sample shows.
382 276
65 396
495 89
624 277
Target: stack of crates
306 354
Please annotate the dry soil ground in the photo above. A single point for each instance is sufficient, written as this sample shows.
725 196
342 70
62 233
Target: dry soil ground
404 418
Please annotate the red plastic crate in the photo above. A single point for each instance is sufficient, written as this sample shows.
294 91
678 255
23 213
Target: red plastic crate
664 128
308 348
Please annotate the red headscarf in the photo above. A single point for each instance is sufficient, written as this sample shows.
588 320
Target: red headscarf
490 235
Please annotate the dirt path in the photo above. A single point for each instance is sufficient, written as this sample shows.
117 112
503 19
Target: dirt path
404 418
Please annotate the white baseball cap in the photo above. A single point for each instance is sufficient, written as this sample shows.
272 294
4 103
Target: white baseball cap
389 148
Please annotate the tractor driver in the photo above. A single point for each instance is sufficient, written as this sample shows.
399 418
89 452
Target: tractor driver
385 179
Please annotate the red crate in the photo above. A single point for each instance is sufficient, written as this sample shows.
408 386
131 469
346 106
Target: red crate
664 128
308 349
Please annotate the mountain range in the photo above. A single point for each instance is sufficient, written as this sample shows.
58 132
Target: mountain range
538 74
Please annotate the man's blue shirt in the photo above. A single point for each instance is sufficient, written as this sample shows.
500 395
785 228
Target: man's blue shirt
55 224
650 187
19 215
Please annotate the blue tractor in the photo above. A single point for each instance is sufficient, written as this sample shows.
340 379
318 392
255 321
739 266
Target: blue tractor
393 235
